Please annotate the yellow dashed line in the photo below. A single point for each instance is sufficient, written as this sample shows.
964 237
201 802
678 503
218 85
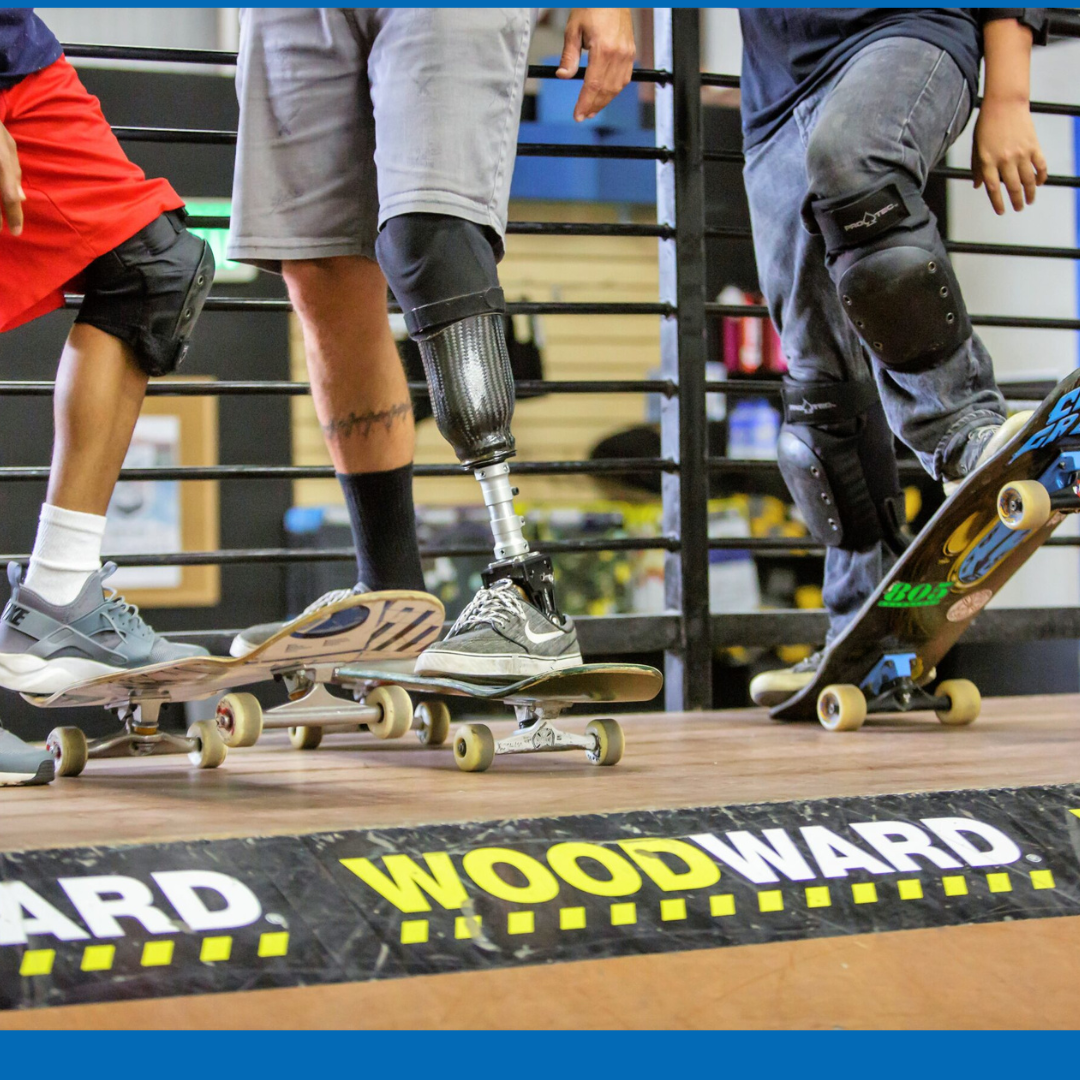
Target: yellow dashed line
413 932
623 914
771 900
999 882
954 885
37 962
818 896
157 954
467 926
1042 879
864 892
215 949
572 918
672 909
520 922
277 944
910 889
98 957
722 904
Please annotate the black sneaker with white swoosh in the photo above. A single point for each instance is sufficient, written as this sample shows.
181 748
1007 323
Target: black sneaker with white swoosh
500 636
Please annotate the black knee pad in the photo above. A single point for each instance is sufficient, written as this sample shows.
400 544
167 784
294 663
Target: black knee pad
150 290
894 280
440 269
836 455
442 272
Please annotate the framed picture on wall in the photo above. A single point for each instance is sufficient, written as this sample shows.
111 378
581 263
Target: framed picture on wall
158 517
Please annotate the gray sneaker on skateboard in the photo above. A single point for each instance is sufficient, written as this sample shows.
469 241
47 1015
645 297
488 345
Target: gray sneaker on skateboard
45 649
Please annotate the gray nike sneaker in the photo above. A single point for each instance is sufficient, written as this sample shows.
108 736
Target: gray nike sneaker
500 636
45 649
22 765
254 636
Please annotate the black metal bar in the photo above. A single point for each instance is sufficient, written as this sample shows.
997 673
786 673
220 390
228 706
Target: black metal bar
348 554
513 228
759 311
517 307
605 466
963 247
221 58
681 204
202 388
211 137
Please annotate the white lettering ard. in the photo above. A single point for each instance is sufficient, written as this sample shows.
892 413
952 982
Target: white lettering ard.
241 908
23 912
751 857
952 831
100 899
837 856
898 841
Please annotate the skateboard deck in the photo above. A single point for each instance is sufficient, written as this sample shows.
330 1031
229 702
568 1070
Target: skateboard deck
398 623
952 569
589 682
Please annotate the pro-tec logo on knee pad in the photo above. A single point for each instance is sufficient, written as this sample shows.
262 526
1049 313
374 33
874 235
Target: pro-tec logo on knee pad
870 218
808 408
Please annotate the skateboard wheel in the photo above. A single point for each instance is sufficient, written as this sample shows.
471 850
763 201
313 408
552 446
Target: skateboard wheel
474 747
305 738
396 707
1024 505
239 719
609 742
841 707
69 750
432 722
965 702
212 748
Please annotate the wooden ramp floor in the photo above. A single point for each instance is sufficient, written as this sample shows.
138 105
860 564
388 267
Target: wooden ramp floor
994 971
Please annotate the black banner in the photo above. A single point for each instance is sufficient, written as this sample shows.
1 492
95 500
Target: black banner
108 924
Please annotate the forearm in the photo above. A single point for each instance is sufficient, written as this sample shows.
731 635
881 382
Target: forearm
1007 46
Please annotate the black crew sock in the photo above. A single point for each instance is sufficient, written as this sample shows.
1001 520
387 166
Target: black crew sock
384 528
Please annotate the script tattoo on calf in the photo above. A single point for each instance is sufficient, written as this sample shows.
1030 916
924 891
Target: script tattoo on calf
365 422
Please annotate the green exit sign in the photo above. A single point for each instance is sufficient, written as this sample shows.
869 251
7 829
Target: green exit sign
227 270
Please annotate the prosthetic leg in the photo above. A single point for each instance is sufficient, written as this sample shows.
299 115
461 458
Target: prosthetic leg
443 272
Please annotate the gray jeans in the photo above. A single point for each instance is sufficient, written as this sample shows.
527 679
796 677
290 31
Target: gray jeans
892 111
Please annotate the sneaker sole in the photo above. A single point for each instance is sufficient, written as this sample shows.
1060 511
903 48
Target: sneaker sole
491 666
46 771
32 675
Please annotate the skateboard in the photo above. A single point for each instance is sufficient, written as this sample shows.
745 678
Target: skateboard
383 706
396 623
982 534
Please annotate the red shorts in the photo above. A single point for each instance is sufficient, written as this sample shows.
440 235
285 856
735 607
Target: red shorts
83 196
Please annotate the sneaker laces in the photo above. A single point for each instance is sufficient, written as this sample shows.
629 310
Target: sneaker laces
335 596
497 606
811 662
124 616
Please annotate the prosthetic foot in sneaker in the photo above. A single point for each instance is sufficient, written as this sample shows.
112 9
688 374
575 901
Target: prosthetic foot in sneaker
45 649
501 637
22 765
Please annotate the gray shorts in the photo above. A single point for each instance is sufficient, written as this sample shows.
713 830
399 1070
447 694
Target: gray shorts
352 116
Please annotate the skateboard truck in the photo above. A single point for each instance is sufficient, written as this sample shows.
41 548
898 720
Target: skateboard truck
140 737
891 686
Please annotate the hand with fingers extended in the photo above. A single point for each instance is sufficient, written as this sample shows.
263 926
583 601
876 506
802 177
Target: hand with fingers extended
12 195
1006 154
607 34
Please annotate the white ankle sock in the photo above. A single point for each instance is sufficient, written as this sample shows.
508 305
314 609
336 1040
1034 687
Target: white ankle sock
66 552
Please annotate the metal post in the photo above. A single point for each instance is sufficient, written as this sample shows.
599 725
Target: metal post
680 194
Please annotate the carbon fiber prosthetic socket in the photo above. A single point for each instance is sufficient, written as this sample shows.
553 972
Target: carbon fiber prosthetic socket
472 395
